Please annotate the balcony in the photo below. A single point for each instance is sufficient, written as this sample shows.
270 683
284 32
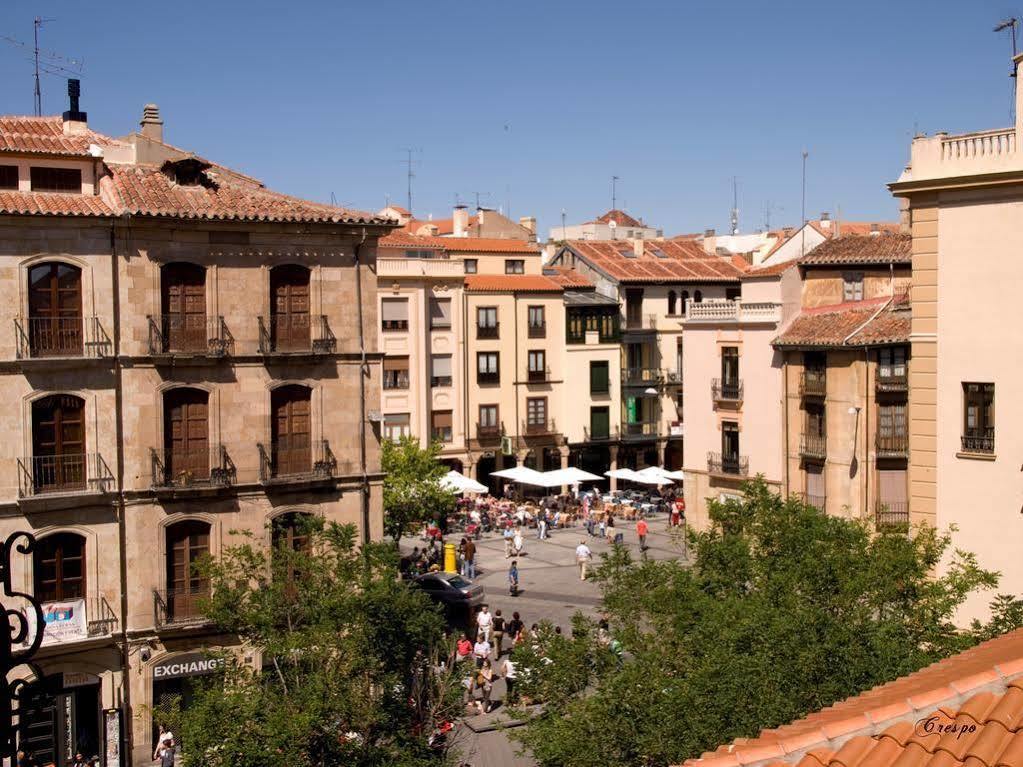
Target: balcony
546 428
538 331
642 376
70 473
538 376
438 382
979 441
813 382
726 391
61 337
419 267
191 469
818 502
889 516
180 607
895 445
733 465
488 331
392 326
967 154
296 334
488 378
636 322
813 446
673 377
602 435
732 311
640 430
489 434
284 463
189 335
890 381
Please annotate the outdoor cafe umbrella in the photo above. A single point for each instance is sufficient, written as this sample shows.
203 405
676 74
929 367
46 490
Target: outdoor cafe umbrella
571 476
524 476
461 483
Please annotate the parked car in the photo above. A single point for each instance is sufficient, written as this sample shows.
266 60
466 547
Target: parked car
449 589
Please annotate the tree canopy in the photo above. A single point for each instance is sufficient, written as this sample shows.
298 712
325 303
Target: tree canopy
350 659
781 611
412 490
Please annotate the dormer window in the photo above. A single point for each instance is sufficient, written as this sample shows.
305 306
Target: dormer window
56 180
8 176
186 172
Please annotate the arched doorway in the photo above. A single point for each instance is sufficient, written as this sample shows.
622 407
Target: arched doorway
58 444
289 308
55 310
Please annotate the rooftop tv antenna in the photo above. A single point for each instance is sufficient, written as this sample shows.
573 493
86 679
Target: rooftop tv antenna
410 174
1010 24
735 205
36 23
478 195
614 197
802 247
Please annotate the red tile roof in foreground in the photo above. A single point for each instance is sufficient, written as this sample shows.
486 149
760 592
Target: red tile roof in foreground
511 283
873 322
683 261
45 135
979 691
402 239
53 204
567 278
887 248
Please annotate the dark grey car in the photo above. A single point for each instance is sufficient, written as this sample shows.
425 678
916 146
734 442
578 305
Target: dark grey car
450 589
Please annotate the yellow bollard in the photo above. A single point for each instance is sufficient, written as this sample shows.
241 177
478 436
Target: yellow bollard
449 558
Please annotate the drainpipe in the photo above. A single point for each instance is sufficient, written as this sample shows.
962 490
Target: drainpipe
866 431
785 420
119 510
465 382
363 372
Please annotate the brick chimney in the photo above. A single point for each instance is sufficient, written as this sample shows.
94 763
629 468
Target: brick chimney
151 125
460 221
74 120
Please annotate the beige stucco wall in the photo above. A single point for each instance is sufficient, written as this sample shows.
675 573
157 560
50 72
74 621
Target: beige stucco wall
823 286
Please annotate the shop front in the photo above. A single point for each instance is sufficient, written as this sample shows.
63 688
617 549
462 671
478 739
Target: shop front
175 680
63 716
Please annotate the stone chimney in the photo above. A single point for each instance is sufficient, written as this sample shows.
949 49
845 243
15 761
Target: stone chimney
528 222
151 125
75 121
637 246
710 241
875 229
825 221
460 221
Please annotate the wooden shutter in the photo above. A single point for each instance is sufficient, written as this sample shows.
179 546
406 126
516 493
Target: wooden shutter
187 542
58 443
59 568
184 307
892 487
186 433
289 308
599 378
600 422
55 310
292 438
815 490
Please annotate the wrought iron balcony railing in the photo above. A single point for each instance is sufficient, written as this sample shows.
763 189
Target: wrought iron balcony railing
295 462
638 322
641 430
295 334
189 334
488 331
979 441
813 446
813 382
66 473
538 331
600 435
726 391
642 376
728 464
488 378
889 515
178 606
489 433
538 376
539 428
57 337
819 502
191 469
894 445
890 380
673 377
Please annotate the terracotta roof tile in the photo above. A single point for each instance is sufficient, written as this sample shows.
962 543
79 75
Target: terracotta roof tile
675 261
45 135
620 217
888 248
567 278
974 692
53 204
511 283
402 239
855 323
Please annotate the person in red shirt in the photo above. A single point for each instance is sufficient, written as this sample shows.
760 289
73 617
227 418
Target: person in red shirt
641 530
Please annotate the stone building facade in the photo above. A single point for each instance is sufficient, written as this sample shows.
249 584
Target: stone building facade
179 340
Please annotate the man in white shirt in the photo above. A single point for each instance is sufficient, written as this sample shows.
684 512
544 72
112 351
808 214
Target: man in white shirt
481 650
484 620
583 555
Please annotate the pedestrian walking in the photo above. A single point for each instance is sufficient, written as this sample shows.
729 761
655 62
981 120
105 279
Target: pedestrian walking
485 682
583 555
509 536
484 621
464 647
510 677
610 531
517 541
541 526
498 632
513 629
513 578
480 650
469 559
642 528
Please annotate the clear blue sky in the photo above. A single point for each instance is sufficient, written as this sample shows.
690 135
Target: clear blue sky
539 102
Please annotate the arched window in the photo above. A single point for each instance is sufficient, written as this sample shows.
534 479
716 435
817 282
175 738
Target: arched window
291 436
58 569
672 301
186 439
55 310
698 297
187 543
289 308
183 326
58 444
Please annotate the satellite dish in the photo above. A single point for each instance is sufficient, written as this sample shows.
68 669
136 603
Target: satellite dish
613 224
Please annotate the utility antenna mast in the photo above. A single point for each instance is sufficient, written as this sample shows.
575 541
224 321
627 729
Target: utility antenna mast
410 175
1010 24
36 23
735 205
614 197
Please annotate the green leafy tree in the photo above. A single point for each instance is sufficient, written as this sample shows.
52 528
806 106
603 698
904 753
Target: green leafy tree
351 660
413 493
783 611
